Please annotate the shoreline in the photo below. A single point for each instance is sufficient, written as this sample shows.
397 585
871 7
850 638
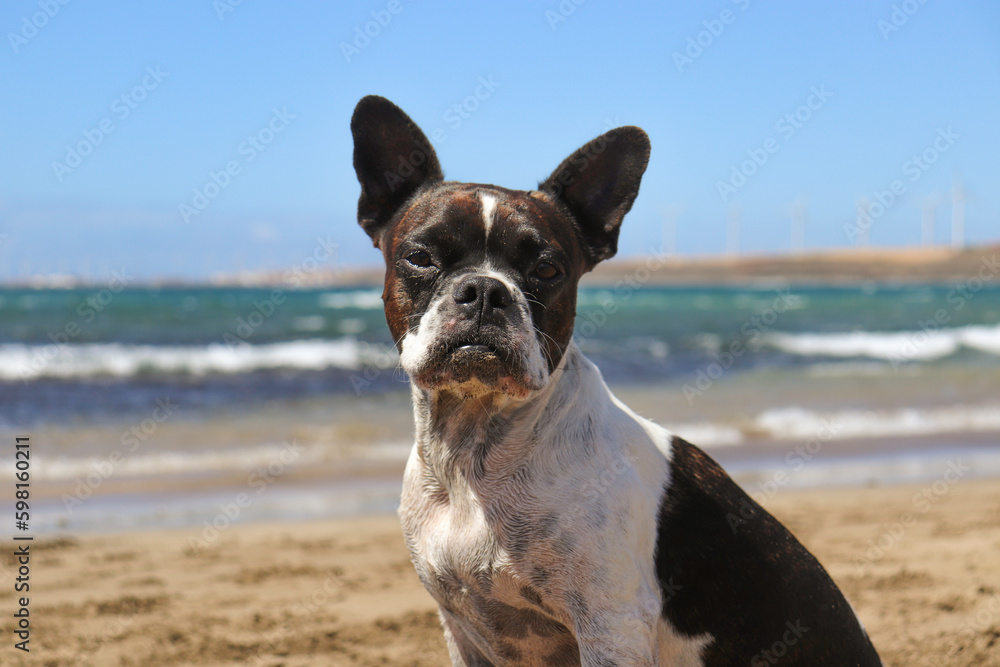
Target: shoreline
842 266
311 489
921 575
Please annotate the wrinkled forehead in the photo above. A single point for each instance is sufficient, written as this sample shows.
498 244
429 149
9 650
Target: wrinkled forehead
463 219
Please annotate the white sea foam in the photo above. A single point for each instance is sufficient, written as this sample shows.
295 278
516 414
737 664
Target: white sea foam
788 423
915 345
308 323
368 299
853 369
29 362
174 462
762 478
707 434
269 457
795 423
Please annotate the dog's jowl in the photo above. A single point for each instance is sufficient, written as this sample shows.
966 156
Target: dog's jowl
533 557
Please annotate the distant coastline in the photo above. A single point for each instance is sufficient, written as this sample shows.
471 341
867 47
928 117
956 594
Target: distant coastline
848 266
835 266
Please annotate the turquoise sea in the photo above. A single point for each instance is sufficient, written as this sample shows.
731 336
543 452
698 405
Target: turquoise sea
196 388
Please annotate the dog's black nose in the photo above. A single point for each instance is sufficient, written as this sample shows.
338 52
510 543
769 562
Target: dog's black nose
477 294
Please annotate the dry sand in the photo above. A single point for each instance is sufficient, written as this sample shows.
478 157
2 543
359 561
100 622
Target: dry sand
831 266
344 592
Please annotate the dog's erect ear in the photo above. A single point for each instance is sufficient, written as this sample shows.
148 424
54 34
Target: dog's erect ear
599 183
392 158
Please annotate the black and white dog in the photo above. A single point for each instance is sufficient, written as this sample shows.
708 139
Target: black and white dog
553 525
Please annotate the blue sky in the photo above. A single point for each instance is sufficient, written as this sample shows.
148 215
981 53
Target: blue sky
92 181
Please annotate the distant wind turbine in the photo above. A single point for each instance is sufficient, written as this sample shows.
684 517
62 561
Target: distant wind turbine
957 212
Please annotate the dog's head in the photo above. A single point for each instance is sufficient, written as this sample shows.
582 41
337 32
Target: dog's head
480 283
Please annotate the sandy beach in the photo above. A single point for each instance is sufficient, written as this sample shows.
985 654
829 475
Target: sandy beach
920 563
842 411
232 274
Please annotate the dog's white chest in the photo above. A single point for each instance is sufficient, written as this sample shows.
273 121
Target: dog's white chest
452 538
487 598
455 550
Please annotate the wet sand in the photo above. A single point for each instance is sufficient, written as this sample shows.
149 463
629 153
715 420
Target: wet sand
921 564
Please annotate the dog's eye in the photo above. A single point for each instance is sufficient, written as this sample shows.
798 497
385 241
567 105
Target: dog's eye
546 271
419 258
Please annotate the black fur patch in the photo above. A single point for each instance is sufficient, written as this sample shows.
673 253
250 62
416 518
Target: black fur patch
747 582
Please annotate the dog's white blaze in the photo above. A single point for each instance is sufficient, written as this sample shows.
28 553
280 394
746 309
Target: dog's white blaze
489 202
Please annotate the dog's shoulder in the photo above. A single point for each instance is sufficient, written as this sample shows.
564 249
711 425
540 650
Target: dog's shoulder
728 568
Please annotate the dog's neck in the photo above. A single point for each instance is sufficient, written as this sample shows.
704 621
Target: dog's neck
483 436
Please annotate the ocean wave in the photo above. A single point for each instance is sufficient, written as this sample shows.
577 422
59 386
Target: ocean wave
795 423
173 462
308 323
790 423
853 369
369 299
271 457
31 362
915 345
707 434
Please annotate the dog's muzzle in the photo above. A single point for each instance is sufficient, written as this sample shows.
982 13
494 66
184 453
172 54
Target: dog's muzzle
478 332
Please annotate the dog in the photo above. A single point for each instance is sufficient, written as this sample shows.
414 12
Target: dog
551 524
